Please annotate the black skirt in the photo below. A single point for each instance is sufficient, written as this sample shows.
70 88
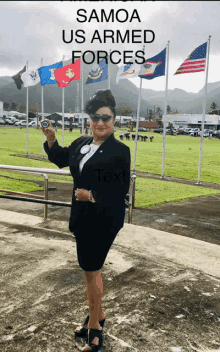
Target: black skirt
93 246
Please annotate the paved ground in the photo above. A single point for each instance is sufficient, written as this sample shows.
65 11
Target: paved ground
161 279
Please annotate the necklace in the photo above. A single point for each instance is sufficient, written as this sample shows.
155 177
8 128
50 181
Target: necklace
100 141
97 142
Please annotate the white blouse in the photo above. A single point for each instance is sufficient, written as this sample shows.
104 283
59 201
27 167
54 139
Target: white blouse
88 156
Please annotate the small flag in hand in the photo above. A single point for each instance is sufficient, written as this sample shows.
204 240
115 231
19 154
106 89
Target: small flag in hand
67 74
154 67
195 62
98 73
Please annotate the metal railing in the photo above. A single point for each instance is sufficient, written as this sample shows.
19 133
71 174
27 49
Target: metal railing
45 201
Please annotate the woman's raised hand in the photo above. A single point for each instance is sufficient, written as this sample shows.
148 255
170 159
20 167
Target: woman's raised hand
49 131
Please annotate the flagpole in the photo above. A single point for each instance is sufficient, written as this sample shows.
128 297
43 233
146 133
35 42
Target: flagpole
165 107
27 113
42 112
137 124
82 100
203 116
109 83
63 111
136 138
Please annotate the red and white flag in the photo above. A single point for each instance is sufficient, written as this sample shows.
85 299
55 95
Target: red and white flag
67 74
195 62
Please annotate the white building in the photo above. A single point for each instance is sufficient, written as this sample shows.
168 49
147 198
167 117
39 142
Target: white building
125 119
12 114
212 122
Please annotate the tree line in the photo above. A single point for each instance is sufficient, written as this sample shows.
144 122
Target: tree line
20 108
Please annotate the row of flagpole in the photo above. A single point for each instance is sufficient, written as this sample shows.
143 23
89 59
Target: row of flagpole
42 106
165 116
139 101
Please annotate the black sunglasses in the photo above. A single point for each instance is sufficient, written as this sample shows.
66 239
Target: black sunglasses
104 118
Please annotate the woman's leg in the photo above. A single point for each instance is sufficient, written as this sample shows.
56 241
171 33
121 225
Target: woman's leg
94 295
102 314
95 292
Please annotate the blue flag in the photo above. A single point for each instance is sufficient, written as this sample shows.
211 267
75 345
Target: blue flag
98 73
47 75
154 67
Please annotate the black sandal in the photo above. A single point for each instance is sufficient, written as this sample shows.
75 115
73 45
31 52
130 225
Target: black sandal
83 331
92 334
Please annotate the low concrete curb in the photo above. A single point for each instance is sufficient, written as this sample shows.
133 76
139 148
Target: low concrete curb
149 242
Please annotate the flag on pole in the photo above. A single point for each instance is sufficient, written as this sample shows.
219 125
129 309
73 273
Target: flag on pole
67 74
47 75
154 67
195 62
17 78
26 79
30 78
130 70
98 73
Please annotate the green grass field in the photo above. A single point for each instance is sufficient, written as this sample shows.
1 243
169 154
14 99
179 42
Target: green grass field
181 160
181 157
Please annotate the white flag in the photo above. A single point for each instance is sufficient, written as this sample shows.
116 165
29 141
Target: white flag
130 70
31 78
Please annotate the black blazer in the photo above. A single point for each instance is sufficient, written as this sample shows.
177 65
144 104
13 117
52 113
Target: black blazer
106 174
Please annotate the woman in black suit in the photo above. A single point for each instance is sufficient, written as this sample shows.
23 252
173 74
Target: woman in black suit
100 166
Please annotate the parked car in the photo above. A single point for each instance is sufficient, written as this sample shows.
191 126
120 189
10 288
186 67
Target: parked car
158 130
66 123
32 124
179 131
187 130
9 121
216 132
195 129
142 129
13 118
2 121
21 123
194 134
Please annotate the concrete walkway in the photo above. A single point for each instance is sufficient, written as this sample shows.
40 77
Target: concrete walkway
148 242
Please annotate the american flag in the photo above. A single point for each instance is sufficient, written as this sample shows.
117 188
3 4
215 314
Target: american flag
195 62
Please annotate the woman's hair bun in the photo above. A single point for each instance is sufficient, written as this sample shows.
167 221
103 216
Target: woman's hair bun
99 99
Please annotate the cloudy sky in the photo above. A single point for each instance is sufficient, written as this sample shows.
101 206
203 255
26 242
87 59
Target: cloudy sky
31 30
